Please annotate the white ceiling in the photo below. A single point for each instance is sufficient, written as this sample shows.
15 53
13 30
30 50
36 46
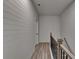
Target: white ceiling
51 7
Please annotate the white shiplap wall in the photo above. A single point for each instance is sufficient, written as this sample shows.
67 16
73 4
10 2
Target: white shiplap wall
68 26
19 26
49 24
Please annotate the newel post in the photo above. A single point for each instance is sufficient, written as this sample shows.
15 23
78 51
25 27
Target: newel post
60 41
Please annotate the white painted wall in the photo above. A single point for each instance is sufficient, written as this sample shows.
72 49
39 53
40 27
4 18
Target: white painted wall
48 24
19 29
68 25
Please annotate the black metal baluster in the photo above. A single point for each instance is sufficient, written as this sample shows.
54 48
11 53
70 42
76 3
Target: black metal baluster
66 56
63 55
